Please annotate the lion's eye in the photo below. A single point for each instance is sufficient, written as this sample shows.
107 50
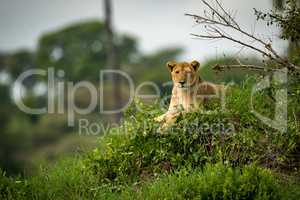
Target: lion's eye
177 72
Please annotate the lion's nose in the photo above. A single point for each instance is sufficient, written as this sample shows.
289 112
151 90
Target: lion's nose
182 82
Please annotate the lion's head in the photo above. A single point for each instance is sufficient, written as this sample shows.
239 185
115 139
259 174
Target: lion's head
183 74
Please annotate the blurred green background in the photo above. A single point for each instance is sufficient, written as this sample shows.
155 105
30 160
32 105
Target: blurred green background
26 139
78 49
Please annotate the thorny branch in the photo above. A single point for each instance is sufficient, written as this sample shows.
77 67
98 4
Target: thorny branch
216 18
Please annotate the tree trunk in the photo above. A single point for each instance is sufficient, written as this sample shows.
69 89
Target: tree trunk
113 61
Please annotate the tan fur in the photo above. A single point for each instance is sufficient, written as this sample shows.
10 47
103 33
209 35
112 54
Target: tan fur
189 91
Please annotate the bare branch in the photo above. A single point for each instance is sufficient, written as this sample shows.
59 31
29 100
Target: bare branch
243 67
217 17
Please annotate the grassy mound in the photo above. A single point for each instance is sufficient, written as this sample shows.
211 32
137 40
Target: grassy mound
210 154
234 136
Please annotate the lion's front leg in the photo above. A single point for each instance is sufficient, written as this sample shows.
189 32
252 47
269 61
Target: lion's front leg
170 119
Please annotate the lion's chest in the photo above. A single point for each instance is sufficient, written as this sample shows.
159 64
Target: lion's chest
186 100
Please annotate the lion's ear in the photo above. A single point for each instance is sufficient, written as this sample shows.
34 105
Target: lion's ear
195 64
171 65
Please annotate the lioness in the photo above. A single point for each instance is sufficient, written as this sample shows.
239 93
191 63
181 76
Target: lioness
189 90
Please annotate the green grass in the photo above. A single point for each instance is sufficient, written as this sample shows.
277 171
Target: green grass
69 180
213 182
66 179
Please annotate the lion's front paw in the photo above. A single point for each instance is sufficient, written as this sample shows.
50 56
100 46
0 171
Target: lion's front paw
159 118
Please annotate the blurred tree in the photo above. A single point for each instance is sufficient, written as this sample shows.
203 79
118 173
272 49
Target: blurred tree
18 62
4 102
79 50
279 4
14 125
3 61
287 17
113 61
237 75
152 67
15 134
